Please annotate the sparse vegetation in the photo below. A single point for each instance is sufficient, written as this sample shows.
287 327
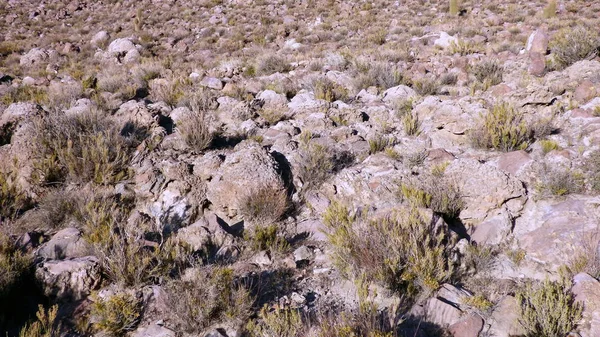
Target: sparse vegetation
502 128
548 309
195 130
488 72
558 181
570 45
264 205
46 325
279 322
116 314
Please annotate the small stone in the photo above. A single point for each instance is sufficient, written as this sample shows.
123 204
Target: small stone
212 83
303 253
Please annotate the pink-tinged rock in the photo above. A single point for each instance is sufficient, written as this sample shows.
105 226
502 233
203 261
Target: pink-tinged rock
538 42
537 64
439 156
493 230
441 313
504 321
587 292
513 162
469 326
585 91
501 90
581 113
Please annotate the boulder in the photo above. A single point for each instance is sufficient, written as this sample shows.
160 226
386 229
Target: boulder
504 320
397 93
469 326
248 168
445 40
35 56
65 244
69 280
537 64
538 42
271 99
153 330
212 83
120 47
100 39
587 292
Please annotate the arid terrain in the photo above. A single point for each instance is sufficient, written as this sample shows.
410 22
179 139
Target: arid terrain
290 168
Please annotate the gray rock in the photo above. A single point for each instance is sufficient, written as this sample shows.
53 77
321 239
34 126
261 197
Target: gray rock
132 56
69 279
120 47
445 40
397 93
35 56
212 83
100 39
469 326
65 244
504 320
306 101
587 292
303 253
538 42
153 330
272 99
441 313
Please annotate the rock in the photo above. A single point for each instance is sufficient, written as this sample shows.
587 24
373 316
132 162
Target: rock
65 244
248 168
17 112
445 40
585 91
212 83
303 253
549 230
292 44
132 56
398 93
514 162
69 280
306 101
485 188
35 56
262 259
441 313
120 47
153 330
272 99
469 326
537 64
587 292
504 320
100 39
538 42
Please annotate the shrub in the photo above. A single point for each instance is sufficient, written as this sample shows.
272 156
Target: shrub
195 130
13 266
25 93
12 198
411 124
548 309
478 302
85 147
279 322
426 86
550 9
379 143
264 205
316 162
381 75
270 64
212 295
570 45
125 256
463 47
329 91
267 237
558 181
548 146
117 314
436 192
402 250
503 128
592 166
46 325
488 72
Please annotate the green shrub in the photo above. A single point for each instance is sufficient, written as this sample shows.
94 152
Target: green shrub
279 322
463 47
85 147
570 45
270 64
411 124
117 314
403 250
317 162
488 72
267 237
558 181
549 145
379 143
264 204
426 86
548 309
212 295
12 197
195 130
503 128
46 325
436 192
25 93
329 91
550 10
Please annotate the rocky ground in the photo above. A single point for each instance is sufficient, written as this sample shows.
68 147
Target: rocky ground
299 168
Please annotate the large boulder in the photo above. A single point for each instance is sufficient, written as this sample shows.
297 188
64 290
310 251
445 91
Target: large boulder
248 168
587 292
69 280
35 56
65 244
397 93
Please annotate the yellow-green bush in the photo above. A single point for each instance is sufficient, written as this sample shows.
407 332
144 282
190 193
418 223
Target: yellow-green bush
502 128
279 322
548 309
316 162
46 325
267 237
12 198
379 143
329 91
436 192
558 181
212 295
570 45
117 314
488 72
402 250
